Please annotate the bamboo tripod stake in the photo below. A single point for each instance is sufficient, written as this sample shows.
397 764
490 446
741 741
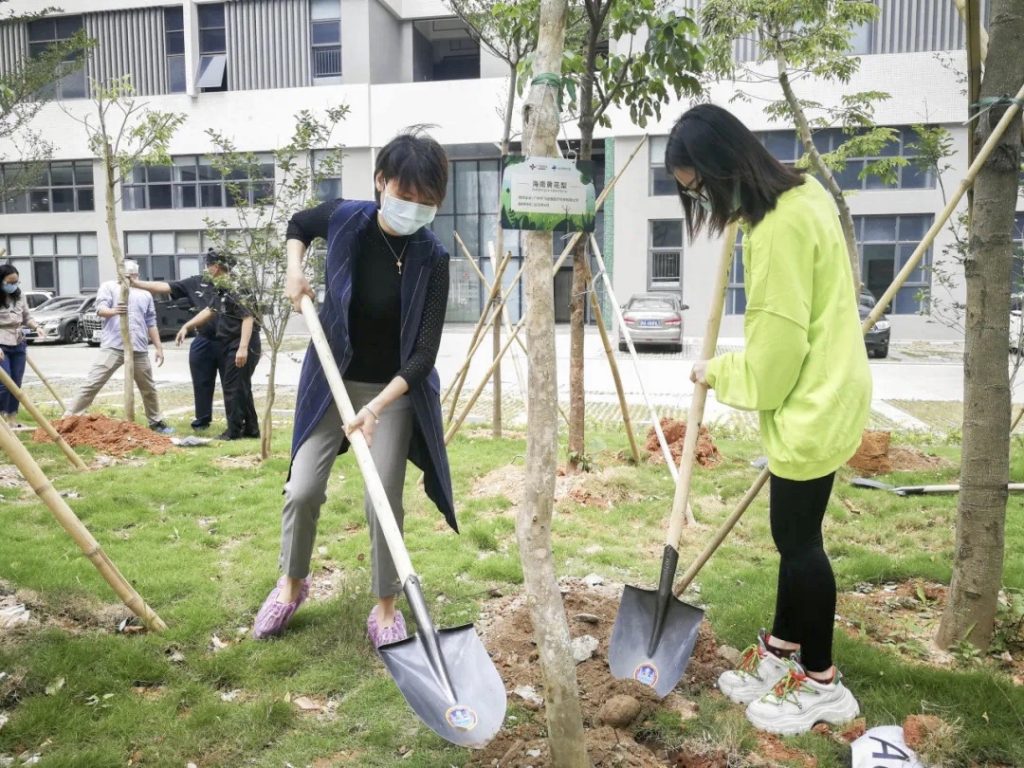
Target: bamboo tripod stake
44 489
968 181
453 427
39 375
42 421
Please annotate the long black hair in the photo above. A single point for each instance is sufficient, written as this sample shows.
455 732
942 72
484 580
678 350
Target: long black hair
728 159
9 298
417 162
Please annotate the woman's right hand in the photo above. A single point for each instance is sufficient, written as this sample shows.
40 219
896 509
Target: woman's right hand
1 354
182 334
295 287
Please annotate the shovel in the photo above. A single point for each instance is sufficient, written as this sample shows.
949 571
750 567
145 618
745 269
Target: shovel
917 490
446 675
655 632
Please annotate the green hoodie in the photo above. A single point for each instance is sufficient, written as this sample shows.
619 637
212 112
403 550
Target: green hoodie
804 367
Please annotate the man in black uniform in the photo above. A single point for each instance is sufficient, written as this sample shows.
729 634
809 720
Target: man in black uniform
206 355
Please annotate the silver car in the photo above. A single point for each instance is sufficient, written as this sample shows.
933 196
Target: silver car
654 318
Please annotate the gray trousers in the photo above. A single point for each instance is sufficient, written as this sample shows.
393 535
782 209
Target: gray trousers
306 489
100 374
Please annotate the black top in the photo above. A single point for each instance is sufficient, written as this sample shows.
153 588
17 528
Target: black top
375 315
230 314
201 294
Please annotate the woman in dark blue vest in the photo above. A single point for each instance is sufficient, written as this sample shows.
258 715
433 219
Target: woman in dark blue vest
383 313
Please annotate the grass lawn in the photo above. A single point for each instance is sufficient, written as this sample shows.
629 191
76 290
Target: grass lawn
197 533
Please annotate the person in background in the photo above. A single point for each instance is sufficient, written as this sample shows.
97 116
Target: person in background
383 313
14 315
238 334
804 368
143 330
205 355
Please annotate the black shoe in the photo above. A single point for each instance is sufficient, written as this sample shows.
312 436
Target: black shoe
161 428
227 436
200 424
253 435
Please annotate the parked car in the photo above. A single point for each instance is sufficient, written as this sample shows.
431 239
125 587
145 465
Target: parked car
654 318
1016 322
60 318
35 298
877 339
170 316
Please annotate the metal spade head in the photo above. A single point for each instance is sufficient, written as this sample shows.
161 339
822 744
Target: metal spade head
477 711
628 653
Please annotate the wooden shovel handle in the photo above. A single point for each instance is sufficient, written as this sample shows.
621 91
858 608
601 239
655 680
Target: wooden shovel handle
700 391
374 486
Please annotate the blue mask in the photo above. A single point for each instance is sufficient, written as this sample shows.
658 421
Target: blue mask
10 287
404 217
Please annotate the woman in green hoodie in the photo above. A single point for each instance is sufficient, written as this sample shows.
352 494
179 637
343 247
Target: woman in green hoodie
804 369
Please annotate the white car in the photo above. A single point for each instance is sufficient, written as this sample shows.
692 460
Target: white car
1017 323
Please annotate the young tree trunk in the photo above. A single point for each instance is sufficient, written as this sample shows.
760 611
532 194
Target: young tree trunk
533 524
115 250
803 129
499 246
267 427
981 511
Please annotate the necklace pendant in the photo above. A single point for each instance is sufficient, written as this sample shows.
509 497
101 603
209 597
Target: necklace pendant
399 264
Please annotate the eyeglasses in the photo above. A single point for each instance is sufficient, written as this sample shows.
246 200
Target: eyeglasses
695 193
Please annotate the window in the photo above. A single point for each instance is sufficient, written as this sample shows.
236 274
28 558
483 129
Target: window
860 39
661 181
193 182
665 255
64 263
167 256
736 294
174 42
327 169
55 187
325 34
787 148
43 33
444 49
886 244
212 75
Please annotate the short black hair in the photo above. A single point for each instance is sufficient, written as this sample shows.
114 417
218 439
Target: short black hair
9 298
417 162
725 154
221 259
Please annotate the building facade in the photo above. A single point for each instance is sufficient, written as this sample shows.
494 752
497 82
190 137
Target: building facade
244 68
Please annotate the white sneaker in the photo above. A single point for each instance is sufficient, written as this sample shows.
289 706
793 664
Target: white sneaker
797 702
759 671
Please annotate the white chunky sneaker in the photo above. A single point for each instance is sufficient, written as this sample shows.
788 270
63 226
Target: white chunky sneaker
758 672
797 702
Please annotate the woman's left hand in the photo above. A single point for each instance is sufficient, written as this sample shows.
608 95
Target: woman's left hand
365 422
699 373
241 358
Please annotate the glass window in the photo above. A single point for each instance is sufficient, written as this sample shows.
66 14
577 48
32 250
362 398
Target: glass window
43 276
59 186
42 245
90 273
666 234
665 255
325 9
68 275
42 34
661 181
886 244
137 243
67 245
176 74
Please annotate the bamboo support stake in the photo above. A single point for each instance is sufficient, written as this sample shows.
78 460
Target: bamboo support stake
42 421
612 363
44 489
39 375
968 181
561 259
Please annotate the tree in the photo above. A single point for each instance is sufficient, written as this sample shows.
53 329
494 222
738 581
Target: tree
981 510
124 135
255 238
533 522
509 30
800 38
25 89
612 67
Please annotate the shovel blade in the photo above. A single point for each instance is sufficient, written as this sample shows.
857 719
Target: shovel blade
478 711
627 654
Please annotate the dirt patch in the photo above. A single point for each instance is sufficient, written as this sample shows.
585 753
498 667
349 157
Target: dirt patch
904 617
112 436
602 489
508 634
708 455
878 456
10 477
248 461
23 611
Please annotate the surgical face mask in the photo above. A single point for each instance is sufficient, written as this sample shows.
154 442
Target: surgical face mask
404 217
10 287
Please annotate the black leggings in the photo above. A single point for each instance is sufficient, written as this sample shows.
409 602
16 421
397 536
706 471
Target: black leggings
805 606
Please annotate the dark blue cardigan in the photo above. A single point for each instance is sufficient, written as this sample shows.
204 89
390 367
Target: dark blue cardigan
426 449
